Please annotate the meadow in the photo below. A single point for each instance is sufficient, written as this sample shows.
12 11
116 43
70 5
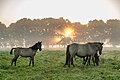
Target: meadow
49 66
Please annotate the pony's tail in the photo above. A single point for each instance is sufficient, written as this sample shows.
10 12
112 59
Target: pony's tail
67 55
11 50
67 51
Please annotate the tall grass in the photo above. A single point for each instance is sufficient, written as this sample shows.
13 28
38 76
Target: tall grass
49 66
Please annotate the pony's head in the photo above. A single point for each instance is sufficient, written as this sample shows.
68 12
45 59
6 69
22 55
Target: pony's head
97 45
100 47
39 45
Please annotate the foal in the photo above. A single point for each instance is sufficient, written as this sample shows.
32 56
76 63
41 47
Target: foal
96 57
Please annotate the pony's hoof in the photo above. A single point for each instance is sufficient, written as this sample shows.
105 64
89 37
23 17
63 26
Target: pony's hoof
65 66
73 65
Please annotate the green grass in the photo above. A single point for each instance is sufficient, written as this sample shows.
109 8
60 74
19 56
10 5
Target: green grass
49 66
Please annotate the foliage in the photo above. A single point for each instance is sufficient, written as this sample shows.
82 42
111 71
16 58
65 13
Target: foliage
47 29
49 66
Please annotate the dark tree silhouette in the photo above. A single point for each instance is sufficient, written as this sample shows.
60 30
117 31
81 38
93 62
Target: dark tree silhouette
30 31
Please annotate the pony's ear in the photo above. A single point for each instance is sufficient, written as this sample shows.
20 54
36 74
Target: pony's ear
40 42
102 43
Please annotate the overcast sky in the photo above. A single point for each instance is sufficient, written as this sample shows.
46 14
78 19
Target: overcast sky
74 10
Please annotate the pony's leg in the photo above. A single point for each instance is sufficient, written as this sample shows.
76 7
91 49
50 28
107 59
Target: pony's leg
16 59
89 58
86 59
93 60
69 57
96 59
72 61
15 62
12 61
30 61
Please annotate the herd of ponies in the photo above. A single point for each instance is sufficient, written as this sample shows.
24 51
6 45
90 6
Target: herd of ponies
86 51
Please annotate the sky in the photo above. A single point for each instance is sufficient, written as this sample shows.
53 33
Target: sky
74 10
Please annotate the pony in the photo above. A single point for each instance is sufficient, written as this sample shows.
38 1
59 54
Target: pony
86 59
82 50
26 52
96 57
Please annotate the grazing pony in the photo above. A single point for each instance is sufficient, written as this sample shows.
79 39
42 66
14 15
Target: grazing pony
26 52
81 50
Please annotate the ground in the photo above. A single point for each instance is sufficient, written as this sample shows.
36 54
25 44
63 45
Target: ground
49 66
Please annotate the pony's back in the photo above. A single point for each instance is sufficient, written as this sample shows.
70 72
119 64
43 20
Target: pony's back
82 49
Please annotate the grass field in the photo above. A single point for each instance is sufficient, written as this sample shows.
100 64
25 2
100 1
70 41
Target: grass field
49 66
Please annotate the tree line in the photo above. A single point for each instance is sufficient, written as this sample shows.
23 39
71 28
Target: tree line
30 31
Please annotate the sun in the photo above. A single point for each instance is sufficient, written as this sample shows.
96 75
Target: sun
68 32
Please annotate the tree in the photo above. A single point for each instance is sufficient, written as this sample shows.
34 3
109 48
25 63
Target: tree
114 26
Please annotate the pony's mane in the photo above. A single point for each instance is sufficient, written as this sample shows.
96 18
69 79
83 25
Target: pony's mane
34 47
101 43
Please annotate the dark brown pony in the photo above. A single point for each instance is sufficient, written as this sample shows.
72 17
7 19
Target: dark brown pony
26 52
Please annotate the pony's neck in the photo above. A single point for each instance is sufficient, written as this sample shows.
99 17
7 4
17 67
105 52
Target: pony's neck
34 47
